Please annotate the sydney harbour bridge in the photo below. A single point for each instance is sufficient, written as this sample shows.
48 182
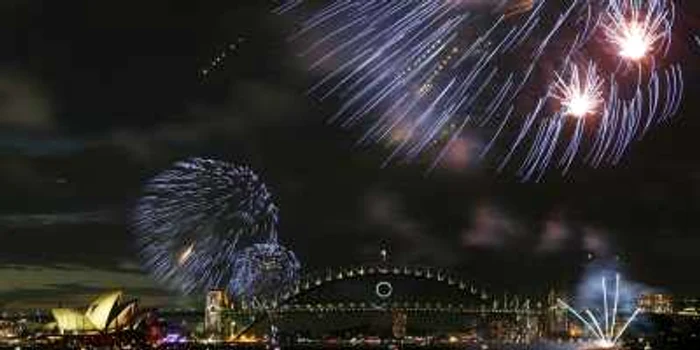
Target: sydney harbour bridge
388 300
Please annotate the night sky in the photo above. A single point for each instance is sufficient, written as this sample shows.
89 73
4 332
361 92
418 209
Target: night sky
98 96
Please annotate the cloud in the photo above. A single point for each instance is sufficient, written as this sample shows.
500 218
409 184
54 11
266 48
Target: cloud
555 235
29 286
38 144
18 171
596 241
27 121
41 277
23 103
254 109
53 219
128 266
462 154
388 212
491 228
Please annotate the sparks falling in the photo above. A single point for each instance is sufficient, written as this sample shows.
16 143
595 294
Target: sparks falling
634 43
638 28
196 217
580 96
263 272
608 332
419 75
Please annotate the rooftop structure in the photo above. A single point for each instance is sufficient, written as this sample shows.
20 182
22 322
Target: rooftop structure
656 303
105 314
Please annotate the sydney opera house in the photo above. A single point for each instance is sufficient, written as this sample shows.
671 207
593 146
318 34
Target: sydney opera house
107 313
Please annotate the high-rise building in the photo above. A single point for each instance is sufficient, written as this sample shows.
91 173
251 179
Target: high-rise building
656 303
398 328
557 316
216 304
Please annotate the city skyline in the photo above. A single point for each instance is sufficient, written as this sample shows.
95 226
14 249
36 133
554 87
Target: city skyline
92 105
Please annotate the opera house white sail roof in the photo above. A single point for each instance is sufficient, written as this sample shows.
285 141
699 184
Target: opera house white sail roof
105 313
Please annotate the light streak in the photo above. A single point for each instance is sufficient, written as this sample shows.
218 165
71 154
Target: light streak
194 218
638 28
580 96
609 337
418 74
264 272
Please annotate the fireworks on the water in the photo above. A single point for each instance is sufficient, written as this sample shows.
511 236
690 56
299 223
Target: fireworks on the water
263 272
196 217
609 331
535 84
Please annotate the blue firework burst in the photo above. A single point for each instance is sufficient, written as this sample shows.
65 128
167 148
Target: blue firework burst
195 217
264 272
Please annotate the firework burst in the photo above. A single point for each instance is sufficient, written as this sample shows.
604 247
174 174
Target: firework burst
637 29
263 272
420 75
608 332
194 218
581 94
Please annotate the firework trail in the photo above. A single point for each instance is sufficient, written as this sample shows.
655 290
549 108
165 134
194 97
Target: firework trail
542 83
194 218
218 61
264 272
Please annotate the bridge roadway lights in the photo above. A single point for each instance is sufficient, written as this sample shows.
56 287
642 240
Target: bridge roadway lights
384 289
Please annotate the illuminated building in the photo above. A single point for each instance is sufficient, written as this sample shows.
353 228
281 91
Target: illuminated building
557 317
656 303
689 311
398 327
217 302
105 314
9 330
689 307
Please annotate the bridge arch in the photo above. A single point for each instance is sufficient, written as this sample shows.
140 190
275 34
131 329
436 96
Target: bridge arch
468 300
465 289
330 276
